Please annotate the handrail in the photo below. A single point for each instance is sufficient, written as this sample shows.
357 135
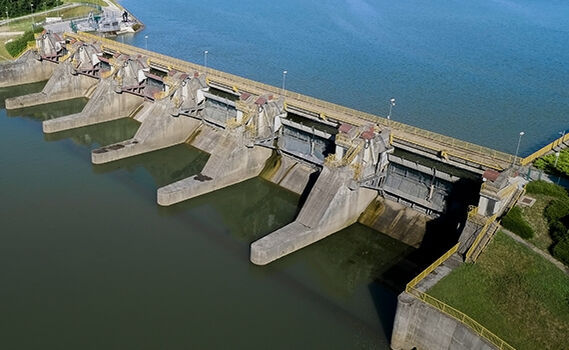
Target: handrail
482 155
449 310
462 317
545 149
433 266
479 237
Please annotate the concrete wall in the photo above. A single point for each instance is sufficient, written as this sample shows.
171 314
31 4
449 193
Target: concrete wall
396 220
421 326
25 70
288 173
61 86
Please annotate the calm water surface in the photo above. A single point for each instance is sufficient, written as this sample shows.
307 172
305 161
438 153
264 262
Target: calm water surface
89 261
478 70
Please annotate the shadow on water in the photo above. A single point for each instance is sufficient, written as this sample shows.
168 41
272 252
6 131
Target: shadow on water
249 209
19 90
50 110
164 166
98 135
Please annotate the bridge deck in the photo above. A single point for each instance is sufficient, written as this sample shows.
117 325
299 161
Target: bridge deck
448 147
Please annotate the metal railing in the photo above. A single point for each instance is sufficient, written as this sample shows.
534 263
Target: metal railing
484 156
544 150
449 310
478 239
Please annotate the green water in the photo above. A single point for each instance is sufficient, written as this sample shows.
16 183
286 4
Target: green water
88 260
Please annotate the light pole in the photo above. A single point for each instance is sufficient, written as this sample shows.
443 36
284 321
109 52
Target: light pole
146 42
7 18
562 133
205 59
33 20
518 147
391 105
284 82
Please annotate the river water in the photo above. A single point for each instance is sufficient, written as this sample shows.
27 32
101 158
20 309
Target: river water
89 261
481 70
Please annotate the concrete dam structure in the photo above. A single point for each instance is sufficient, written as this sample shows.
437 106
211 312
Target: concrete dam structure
348 165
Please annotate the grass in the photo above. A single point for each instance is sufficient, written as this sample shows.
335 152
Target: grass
534 217
515 293
4 55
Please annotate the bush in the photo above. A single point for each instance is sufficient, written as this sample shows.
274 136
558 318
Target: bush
556 210
547 188
17 46
557 231
561 251
514 222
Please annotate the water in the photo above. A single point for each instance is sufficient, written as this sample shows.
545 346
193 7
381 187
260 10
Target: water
480 71
89 261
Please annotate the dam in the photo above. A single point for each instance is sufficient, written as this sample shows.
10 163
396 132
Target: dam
347 165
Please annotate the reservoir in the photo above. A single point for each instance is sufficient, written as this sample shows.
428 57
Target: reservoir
88 260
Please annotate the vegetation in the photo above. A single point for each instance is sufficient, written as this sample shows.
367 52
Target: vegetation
514 292
17 8
515 222
547 163
549 217
543 187
534 217
17 46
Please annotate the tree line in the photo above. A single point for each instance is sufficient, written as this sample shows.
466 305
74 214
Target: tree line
17 8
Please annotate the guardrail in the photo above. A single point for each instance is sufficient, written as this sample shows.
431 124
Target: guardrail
488 157
449 310
544 150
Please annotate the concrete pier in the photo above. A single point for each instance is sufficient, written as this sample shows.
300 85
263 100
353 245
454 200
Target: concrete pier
230 163
158 130
25 70
331 206
62 85
104 105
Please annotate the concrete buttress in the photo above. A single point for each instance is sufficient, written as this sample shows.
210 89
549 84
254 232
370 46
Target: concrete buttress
104 105
62 85
331 206
230 162
159 129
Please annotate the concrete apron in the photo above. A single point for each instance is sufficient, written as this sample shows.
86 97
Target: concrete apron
330 207
61 86
25 70
159 129
105 105
230 162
